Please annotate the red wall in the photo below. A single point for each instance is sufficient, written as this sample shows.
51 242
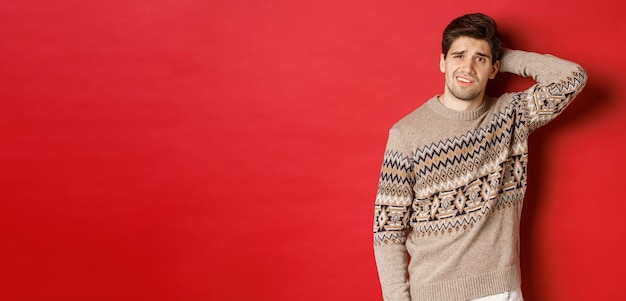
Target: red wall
230 150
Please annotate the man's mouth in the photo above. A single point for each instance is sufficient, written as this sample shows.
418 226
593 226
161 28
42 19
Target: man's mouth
464 80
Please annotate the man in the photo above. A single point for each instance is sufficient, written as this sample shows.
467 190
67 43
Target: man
453 178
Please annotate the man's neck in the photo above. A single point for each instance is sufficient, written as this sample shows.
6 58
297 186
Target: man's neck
460 105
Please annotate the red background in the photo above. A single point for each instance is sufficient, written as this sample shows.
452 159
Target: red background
230 150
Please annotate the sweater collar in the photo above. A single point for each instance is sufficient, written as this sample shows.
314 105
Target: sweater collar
446 112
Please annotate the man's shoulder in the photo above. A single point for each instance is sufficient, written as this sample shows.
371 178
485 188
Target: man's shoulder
415 118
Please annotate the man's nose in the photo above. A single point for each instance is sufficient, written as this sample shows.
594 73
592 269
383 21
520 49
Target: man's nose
468 65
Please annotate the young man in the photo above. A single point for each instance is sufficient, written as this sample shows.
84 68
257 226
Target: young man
453 178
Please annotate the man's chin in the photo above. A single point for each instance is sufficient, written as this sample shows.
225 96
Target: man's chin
466 97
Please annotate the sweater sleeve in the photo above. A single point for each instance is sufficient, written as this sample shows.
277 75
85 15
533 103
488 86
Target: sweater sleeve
392 213
558 83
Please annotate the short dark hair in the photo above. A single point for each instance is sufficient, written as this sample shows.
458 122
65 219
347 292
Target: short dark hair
477 26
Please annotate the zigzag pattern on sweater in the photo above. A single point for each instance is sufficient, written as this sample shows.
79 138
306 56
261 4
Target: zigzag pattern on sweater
454 162
395 179
547 102
466 147
439 188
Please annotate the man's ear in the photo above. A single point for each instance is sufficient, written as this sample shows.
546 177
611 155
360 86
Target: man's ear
442 63
494 69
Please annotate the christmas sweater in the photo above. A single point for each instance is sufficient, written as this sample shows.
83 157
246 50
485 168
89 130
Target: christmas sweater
452 183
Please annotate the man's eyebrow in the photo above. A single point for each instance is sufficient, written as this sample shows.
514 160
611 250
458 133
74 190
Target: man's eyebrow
465 51
483 54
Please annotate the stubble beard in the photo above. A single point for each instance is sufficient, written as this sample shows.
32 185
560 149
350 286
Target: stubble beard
467 94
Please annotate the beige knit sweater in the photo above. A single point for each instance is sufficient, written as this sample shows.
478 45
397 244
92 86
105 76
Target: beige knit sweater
449 200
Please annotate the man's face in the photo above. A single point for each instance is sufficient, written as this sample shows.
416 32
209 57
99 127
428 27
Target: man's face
467 68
